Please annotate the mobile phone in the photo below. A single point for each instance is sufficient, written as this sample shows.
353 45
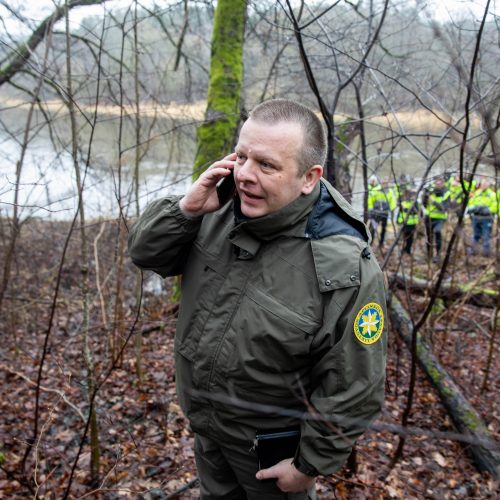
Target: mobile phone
225 188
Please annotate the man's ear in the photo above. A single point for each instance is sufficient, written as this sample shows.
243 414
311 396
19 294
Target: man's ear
311 178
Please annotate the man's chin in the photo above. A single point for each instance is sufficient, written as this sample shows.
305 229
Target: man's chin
252 212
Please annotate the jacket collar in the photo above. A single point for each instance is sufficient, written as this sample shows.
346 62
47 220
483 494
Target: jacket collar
291 220
282 222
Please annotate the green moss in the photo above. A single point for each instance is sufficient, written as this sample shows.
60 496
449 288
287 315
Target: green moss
487 291
434 374
342 131
471 287
419 273
472 421
420 351
176 290
438 307
216 136
447 391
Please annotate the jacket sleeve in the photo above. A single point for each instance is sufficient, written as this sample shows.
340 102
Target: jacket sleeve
348 375
161 238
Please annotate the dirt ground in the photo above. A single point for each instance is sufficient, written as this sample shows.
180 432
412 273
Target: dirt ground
146 443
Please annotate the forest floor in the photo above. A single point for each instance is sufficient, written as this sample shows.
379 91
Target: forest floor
145 441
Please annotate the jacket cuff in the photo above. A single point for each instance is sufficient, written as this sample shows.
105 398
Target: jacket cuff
186 215
181 216
305 467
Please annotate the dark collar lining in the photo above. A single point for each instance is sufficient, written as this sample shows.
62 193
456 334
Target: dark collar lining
327 219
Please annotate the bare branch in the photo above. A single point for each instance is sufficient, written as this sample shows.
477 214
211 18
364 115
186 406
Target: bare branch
22 53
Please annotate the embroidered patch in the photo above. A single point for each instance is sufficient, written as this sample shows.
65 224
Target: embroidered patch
369 323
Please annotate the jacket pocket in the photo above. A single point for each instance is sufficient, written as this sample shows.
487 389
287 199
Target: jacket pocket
267 344
200 286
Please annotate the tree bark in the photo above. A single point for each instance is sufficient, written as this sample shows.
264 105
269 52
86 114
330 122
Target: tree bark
217 135
478 296
465 417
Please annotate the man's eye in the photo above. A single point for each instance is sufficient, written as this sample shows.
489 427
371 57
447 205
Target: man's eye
264 164
240 157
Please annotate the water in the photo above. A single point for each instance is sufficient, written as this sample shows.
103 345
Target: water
48 187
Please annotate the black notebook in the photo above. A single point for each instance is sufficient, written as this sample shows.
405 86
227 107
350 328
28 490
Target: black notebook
274 445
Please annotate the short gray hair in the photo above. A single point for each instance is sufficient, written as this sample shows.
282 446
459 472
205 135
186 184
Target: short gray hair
313 148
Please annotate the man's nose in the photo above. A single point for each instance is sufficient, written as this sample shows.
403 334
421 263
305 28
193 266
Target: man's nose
246 171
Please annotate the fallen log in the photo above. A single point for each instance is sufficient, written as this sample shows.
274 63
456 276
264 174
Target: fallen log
486 453
475 295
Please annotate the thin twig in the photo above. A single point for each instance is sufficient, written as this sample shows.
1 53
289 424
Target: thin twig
60 393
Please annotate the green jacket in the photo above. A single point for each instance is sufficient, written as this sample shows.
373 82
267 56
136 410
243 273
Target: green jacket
271 312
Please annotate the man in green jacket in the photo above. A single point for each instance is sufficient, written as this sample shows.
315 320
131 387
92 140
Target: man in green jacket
281 328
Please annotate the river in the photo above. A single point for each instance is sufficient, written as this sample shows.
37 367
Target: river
48 187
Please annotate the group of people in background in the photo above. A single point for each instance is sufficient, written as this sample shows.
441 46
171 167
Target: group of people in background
433 205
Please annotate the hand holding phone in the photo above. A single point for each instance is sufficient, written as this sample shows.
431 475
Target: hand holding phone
203 195
226 188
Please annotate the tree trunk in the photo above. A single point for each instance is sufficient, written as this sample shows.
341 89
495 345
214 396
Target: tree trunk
95 453
216 137
17 59
465 417
478 296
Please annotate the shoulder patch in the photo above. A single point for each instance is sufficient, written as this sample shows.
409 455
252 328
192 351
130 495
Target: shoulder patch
369 323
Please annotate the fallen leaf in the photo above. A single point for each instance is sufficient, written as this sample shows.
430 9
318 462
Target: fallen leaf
439 459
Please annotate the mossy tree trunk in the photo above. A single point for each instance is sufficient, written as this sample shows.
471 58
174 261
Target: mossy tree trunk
476 295
216 137
466 418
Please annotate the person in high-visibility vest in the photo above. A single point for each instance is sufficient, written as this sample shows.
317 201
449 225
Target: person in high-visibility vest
482 207
402 183
380 204
408 217
390 194
373 188
436 203
457 191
